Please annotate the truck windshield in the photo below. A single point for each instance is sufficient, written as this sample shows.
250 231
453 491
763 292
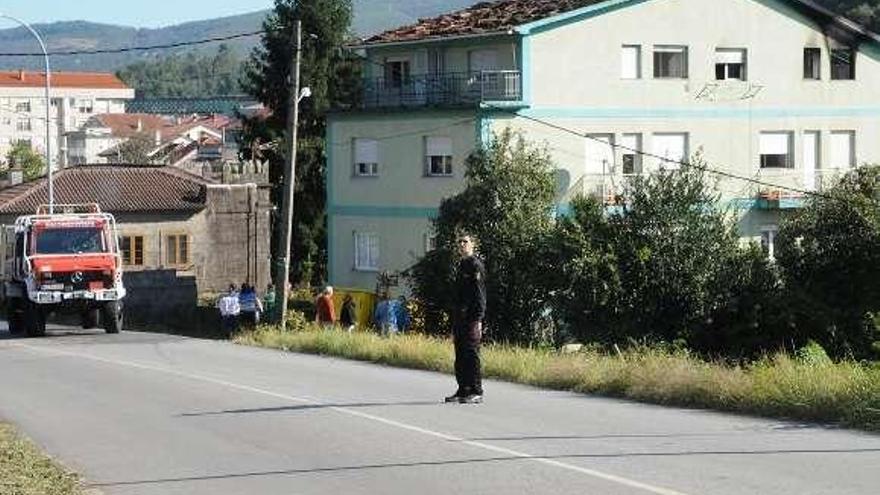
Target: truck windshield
70 241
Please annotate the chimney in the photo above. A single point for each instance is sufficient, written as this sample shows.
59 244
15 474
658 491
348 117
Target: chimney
21 75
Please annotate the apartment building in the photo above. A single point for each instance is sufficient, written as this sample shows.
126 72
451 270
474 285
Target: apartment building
780 91
74 98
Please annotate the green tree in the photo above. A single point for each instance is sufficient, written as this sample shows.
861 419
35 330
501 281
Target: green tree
331 74
187 75
829 253
29 161
135 150
507 204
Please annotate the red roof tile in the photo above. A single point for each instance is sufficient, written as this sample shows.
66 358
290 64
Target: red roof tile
118 189
92 80
482 18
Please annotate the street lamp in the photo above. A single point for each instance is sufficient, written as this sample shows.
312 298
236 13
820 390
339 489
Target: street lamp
48 107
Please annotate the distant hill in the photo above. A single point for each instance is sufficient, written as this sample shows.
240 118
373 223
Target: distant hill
370 16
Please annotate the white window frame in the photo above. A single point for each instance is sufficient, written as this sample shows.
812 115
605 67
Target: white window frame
366 262
836 139
366 161
23 106
24 124
726 59
768 240
813 57
680 49
439 147
770 144
631 62
628 142
671 162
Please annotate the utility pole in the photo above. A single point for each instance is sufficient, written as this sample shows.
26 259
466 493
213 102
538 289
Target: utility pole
282 291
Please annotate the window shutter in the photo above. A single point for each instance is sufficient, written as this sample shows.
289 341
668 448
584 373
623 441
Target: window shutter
729 57
842 149
366 151
439 146
671 146
630 62
775 143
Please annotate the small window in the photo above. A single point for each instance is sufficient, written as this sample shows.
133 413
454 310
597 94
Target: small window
397 72
430 242
85 105
366 157
132 248
768 240
177 249
730 63
23 124
843 145
670 62
23 106
366 251
631 62
438 156
812 64
843 64
671 148
776 150
631 148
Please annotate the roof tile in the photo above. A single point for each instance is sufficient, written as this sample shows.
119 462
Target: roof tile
92 80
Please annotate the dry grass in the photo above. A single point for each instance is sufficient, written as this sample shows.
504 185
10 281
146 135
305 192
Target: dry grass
779 386
24 470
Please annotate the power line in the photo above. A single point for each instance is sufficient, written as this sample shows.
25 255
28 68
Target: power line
137 48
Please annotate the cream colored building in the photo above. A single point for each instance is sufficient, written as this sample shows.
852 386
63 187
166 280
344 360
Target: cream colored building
74 97
778 91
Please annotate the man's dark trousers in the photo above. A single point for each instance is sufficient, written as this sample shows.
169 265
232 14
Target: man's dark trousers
467 337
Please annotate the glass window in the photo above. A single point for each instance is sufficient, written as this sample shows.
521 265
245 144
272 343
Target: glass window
670 62
438 156
843 149
631 62
730 63
843 64
177 249
366 157
132 248
671 148
631 147
70 241
776 150
366 251
812 63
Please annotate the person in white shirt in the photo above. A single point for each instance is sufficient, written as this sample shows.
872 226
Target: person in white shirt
229 310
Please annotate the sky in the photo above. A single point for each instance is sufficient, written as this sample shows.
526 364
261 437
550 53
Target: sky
136 13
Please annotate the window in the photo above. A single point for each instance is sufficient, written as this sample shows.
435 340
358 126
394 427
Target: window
843 149
730 63
23 124
177 249
396 72
672 147
631 62
132 248
631 146
670 62
438 156
430 242
768 240
480 60
23 106
811 161
366 251
776 150
84 105
812 64
843 64
366 157
599 152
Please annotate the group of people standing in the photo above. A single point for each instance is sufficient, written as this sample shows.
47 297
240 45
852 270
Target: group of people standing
390 316
242 307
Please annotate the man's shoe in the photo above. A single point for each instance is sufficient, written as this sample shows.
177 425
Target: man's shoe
472 399
456 397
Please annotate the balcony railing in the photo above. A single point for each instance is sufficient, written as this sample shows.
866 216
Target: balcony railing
447 89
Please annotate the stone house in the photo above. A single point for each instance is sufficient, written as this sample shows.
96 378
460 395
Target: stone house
168 219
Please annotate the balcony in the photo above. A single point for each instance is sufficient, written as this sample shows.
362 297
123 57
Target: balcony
457 89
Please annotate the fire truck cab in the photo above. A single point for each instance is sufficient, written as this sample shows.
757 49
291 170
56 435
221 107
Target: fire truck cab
67 261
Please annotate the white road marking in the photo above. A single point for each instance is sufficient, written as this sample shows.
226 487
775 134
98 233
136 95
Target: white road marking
372 417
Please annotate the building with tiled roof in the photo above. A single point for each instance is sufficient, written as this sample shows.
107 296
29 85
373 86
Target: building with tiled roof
74 97
783 91
169 219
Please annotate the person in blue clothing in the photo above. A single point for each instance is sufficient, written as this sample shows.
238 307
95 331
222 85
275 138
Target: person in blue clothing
385 316
251 307
401 313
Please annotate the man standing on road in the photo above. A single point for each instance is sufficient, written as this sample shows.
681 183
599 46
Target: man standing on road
229 311
467 323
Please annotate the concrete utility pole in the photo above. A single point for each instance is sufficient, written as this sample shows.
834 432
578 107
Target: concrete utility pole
282 291
48 107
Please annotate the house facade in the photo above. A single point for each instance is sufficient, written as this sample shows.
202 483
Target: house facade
168 219
74 98
780 92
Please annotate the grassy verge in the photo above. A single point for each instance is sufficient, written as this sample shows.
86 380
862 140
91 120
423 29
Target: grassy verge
24 470
778 386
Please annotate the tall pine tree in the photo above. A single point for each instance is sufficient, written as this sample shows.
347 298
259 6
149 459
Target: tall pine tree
331 74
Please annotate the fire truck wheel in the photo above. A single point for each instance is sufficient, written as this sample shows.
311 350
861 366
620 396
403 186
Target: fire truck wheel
111 316
34 320
14 316
90 318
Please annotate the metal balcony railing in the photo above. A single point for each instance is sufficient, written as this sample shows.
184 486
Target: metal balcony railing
445 89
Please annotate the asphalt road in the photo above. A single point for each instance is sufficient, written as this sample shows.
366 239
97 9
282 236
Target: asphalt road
141 413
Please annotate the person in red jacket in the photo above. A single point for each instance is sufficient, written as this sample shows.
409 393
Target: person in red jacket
325 313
